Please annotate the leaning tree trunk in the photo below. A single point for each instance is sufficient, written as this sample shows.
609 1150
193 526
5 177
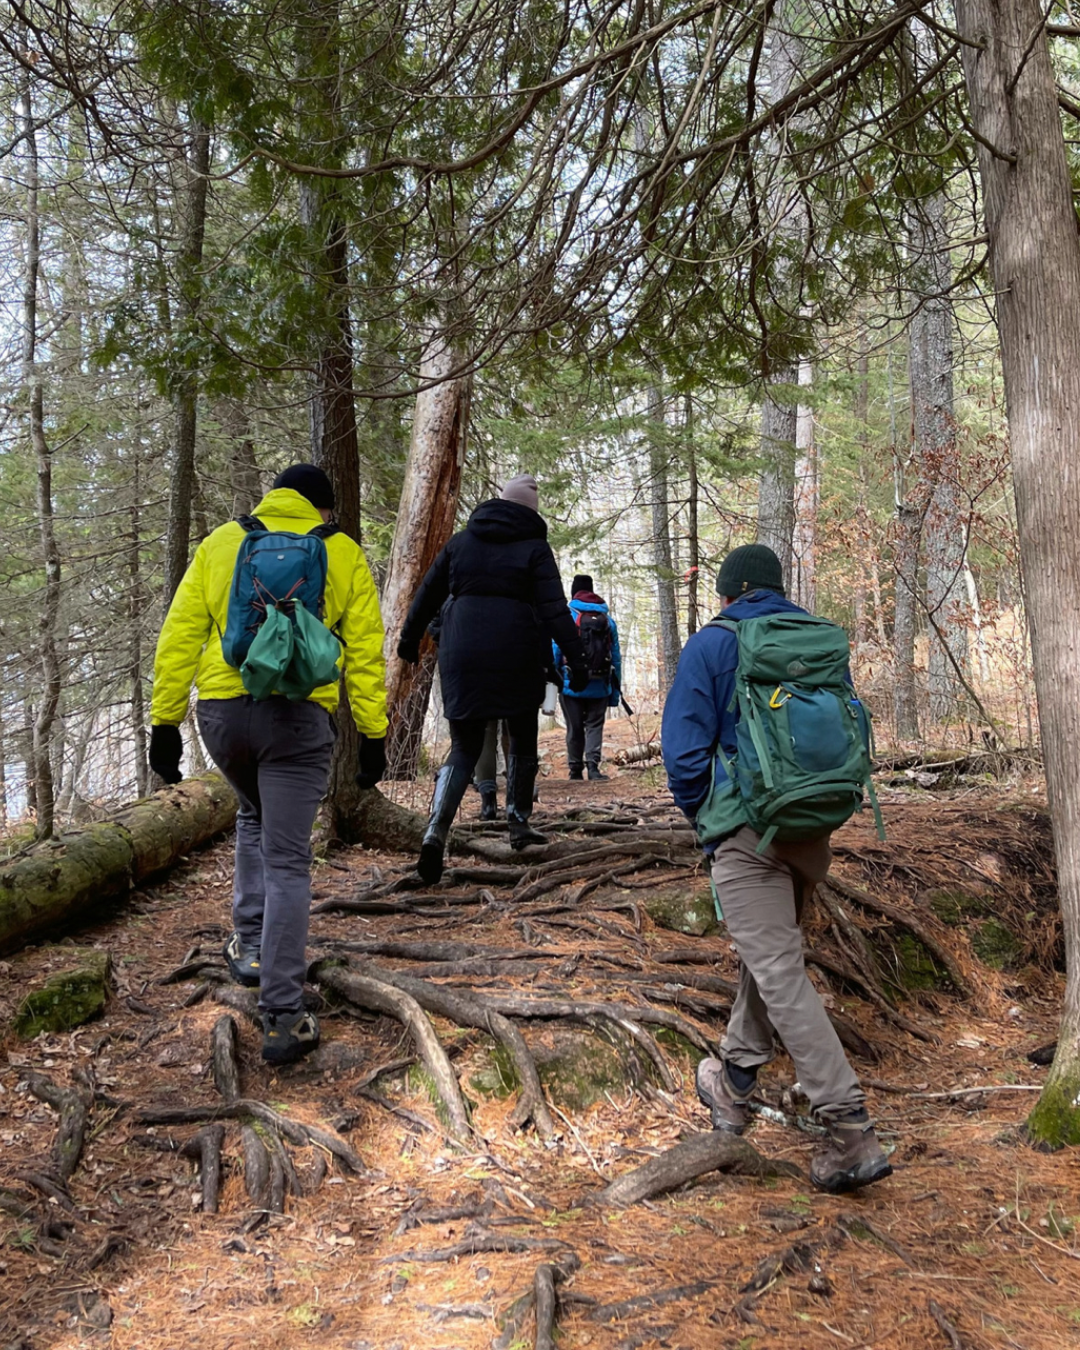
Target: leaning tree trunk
670 646
1035 256
426 514
192 194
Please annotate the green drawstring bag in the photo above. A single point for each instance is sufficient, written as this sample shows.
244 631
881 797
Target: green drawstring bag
269 655
315 656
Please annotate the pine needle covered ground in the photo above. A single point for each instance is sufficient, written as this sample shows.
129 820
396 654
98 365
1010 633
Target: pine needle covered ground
392 1233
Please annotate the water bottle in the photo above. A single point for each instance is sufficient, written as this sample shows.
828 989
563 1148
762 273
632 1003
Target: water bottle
551 699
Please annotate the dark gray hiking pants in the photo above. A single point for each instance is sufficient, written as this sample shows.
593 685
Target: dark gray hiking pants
762 896
276 756
584 730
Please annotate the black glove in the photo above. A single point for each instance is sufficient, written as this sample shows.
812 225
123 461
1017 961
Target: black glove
372 761
166 747
408 651
579 679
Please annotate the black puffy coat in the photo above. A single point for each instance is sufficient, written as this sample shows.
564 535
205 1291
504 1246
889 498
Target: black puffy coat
506 607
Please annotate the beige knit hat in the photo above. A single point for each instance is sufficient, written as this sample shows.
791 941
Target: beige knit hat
522 490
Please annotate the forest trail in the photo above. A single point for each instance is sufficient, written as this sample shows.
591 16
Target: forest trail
970 1243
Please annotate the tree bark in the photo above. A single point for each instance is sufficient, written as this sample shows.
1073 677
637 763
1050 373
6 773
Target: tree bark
243 469
34 384
693 536
135 613
669 644
930 344
60 882
804 538
426 515
192 202
908 531
1035 257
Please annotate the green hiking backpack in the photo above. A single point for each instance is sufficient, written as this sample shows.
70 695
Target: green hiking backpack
804 743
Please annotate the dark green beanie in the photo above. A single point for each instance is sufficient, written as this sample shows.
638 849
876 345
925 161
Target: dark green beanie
750 568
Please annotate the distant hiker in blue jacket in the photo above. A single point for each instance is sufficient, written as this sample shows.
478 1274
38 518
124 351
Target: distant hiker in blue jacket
762 895
585 711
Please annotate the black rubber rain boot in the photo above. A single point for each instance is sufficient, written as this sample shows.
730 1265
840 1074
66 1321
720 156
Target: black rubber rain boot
450 785
489 799
520 782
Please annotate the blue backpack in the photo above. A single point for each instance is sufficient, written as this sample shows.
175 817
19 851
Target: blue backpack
280 576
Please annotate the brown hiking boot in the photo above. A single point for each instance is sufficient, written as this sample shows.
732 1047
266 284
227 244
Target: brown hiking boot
730 1110
851 1158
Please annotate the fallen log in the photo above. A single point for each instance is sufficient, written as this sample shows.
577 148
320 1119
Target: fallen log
63 879
637 754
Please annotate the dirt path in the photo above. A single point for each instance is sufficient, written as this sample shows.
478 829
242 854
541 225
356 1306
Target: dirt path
970 1243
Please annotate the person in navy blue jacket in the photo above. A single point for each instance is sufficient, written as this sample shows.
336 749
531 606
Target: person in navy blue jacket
762 895
584 712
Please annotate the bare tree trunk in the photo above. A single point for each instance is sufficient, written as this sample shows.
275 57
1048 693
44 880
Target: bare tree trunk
908 530
669 644
1035 256
192 201
776 485
930 342
33 381
693 538
862 418
426 515
136 601
3 768
804 539
243 469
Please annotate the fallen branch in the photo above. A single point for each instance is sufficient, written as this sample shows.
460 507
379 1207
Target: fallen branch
714 1151
946 1327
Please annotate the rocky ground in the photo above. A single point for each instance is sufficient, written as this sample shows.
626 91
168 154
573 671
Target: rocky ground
362 1205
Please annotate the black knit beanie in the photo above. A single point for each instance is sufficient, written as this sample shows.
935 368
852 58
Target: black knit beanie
581 582
752 567
311 482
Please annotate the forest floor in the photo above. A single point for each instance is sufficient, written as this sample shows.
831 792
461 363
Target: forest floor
971 1243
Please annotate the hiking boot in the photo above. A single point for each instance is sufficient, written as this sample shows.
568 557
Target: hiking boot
489 801
730 1108
288 1035
450 785
852 1157
576 775
595 776
520 782
243 962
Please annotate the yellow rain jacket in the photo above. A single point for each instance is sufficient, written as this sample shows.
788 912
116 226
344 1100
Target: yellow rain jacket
189 648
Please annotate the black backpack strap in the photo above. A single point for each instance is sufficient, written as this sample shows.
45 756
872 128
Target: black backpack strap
325 531
251 523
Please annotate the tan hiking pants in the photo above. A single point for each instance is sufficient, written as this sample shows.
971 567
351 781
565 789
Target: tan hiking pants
762 896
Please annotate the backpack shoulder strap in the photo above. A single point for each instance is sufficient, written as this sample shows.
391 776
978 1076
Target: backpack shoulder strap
251 523
732 625
326 530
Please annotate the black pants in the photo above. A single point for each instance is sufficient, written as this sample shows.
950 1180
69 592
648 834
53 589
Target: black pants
584 730
467 739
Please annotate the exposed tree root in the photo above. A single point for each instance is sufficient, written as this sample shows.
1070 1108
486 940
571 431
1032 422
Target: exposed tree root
946 1327
368 992
73 1107
714 1151
545 1306
478 1243
631 1307
223 1050
256 1167
797 1259
205 1147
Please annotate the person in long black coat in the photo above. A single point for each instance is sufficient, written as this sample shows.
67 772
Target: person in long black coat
506 606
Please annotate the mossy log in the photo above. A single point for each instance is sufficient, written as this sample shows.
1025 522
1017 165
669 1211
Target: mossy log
63 879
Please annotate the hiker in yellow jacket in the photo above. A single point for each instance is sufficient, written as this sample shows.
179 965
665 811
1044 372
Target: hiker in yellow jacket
274 752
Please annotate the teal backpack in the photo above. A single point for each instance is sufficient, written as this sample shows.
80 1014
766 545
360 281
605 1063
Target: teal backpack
804 743
274 634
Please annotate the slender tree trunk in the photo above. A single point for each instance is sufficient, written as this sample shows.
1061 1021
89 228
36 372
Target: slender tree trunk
3 768
693 538
243 469
136 605
1035 256
776 485
804 539
907 533
426 515
930 343
33 382
862 539
192 200
669 644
